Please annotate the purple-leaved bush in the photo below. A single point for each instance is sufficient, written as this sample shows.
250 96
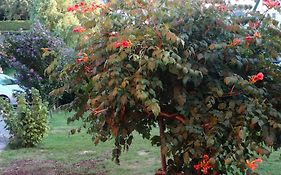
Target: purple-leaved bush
23 52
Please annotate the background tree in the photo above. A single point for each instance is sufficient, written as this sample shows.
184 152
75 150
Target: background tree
54 16
14 9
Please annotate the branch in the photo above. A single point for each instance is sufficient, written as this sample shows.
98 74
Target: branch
178 117
174 116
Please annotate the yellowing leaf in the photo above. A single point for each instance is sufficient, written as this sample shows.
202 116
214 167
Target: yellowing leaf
186 158
124 99
153 106
171 36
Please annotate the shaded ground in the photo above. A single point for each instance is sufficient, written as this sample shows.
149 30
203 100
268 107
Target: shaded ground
63 154
49 167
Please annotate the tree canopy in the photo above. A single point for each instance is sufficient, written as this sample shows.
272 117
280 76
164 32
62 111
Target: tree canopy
206 72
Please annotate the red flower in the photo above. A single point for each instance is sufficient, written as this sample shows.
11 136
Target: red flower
260 76
78 29
235 42
253 164
249 39
271 3
197 167
76 6
80 60
257 77
117 45
204 165
85 10
124 44
95 5
70 9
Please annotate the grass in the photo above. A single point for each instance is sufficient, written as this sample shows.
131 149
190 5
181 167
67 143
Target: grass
59 146
14 25
272 165
141 159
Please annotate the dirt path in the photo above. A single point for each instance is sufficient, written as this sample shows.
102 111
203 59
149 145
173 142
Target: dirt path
50 167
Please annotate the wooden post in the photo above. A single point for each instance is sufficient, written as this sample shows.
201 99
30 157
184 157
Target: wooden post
162 140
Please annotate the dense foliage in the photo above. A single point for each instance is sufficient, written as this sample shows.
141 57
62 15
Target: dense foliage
27 123
202 69
14 9
30 54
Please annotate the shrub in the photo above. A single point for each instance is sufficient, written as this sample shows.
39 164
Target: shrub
30 54
27 124
203 73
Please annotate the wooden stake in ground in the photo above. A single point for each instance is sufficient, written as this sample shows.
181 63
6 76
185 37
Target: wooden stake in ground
162 140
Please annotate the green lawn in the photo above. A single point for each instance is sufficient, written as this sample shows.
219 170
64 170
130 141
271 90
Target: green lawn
76 154
14 25
69 150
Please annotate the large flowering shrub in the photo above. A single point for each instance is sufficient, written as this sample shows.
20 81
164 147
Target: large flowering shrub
201 71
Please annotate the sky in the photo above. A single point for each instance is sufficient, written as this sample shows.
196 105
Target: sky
243 1
260 8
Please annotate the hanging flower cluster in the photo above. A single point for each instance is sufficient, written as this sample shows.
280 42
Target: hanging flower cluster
256 78
248 40
83 8
123 44
204 165
271 4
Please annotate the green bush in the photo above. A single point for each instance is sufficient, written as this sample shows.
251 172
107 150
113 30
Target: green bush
27 123
195 66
